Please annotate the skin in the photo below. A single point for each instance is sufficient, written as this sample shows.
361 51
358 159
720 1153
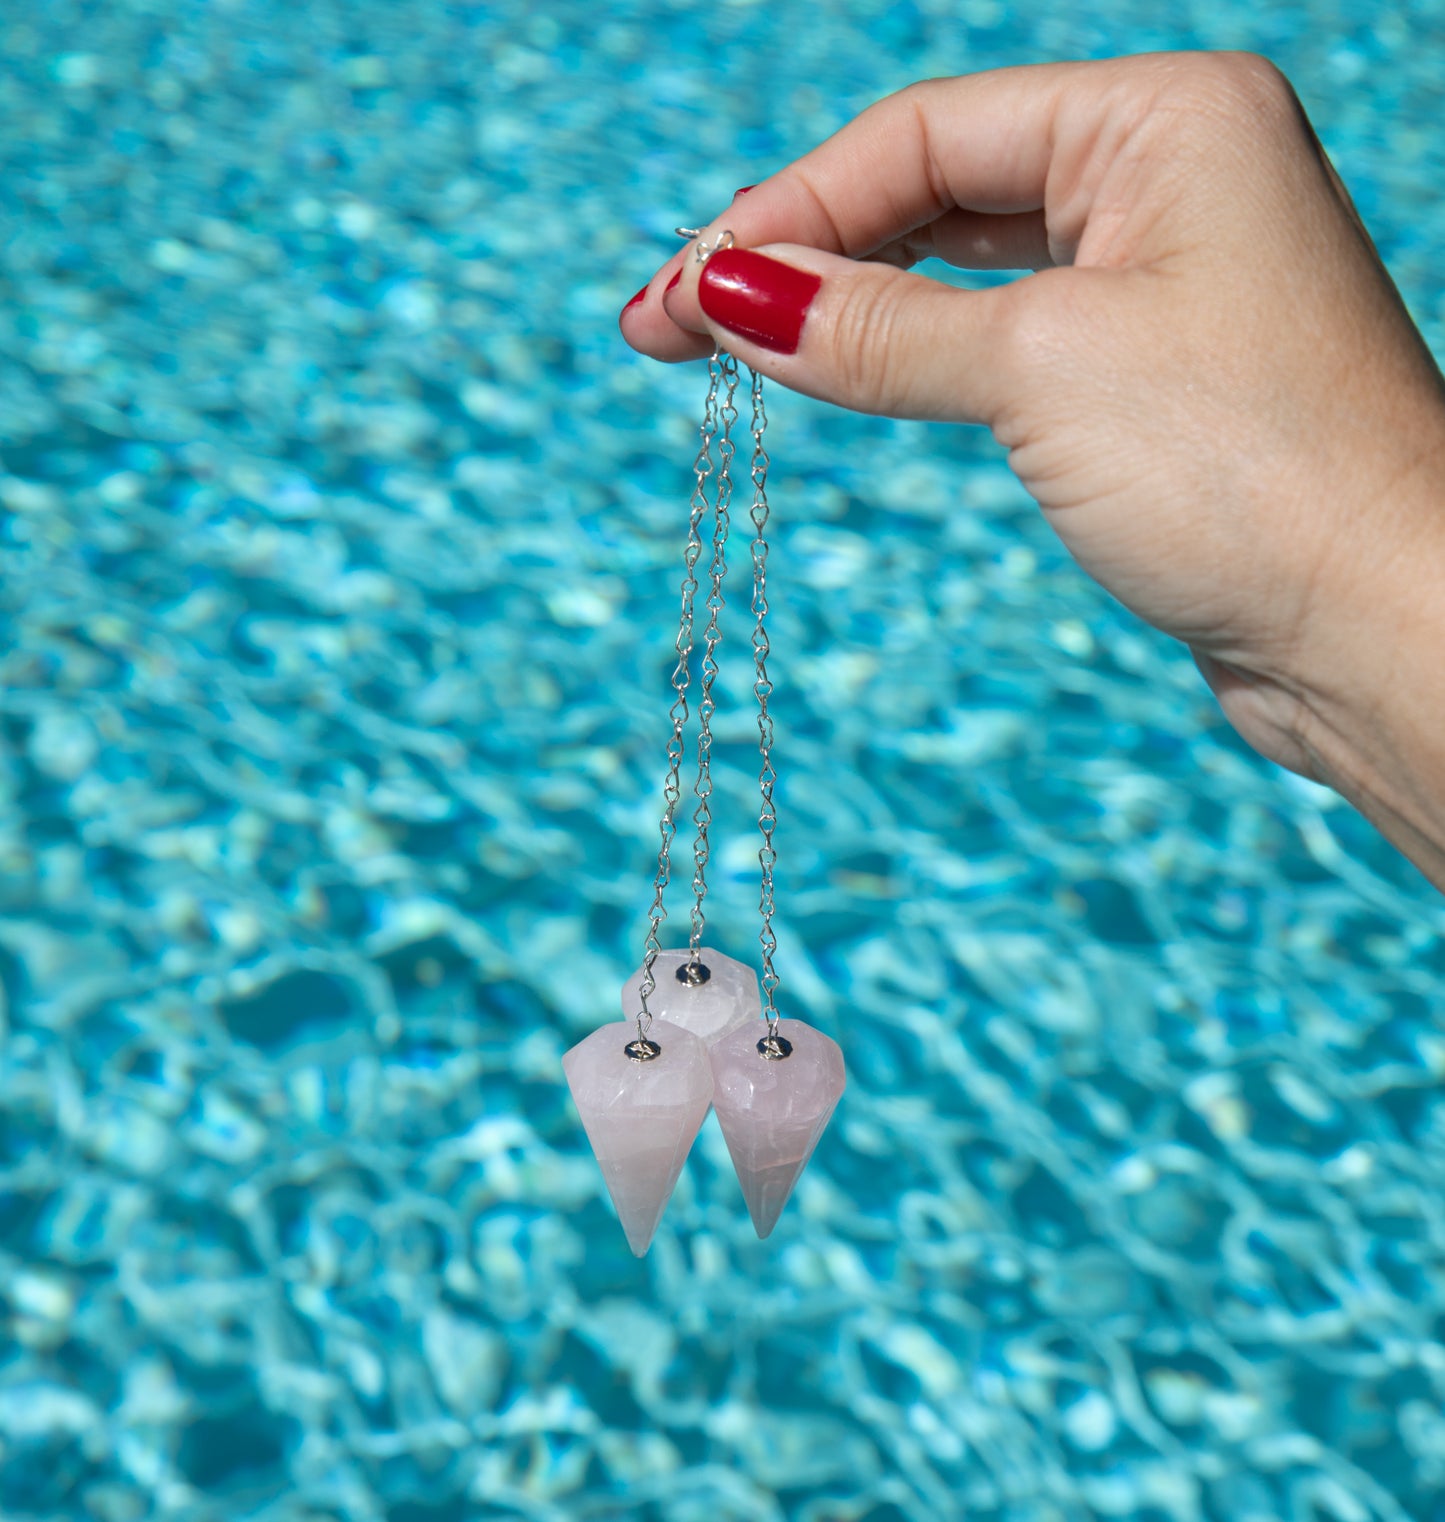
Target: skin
1210 385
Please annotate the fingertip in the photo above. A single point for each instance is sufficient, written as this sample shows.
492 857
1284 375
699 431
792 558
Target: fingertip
632 301
647 327
674 347
679 300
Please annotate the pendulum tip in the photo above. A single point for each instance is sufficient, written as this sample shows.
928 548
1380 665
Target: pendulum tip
640 1242
763 1224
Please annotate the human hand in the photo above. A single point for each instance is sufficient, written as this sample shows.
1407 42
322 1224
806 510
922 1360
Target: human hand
1210 385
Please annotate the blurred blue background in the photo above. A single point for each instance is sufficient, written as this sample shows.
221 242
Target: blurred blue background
339 542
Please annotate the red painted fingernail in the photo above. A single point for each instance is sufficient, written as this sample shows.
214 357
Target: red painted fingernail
742 190
672 284
638 297
757 297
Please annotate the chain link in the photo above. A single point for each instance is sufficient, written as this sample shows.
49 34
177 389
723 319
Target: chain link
763 688
702 468
702 816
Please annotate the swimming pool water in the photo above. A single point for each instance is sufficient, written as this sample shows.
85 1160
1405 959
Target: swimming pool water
339 541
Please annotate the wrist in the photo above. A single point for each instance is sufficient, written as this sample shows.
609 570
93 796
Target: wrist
1371 721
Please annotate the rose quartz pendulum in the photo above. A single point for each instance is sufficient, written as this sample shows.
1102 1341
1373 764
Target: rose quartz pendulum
642 1103
699 1038
774 1097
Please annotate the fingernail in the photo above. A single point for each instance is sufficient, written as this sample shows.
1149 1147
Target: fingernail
672 284
757 297
742 190
638 297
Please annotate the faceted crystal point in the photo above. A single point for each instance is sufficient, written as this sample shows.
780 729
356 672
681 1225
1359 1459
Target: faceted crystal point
773 1112
641 1117
709 1010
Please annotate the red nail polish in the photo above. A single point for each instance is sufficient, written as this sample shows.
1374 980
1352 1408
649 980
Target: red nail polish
742 190
757 297
672 284
638 297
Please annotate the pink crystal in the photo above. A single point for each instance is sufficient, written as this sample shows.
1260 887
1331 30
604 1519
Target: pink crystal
773 1113
710 1010
641 1117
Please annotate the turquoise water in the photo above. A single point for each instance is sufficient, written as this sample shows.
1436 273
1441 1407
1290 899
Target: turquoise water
339 540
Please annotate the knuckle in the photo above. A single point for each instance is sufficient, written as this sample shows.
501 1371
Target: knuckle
1254 81
867 353
921 94
1254 75
1237 86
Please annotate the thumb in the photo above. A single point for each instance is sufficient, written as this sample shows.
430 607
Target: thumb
867 336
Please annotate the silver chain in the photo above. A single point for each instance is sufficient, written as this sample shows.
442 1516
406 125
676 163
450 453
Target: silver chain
722 376
762 688
702 816
672 791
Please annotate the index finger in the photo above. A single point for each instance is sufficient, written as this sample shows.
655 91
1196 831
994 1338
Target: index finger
1024 151
982 144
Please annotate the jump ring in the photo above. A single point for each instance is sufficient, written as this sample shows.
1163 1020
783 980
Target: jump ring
703 253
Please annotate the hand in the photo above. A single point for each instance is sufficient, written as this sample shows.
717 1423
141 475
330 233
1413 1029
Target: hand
1210 385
